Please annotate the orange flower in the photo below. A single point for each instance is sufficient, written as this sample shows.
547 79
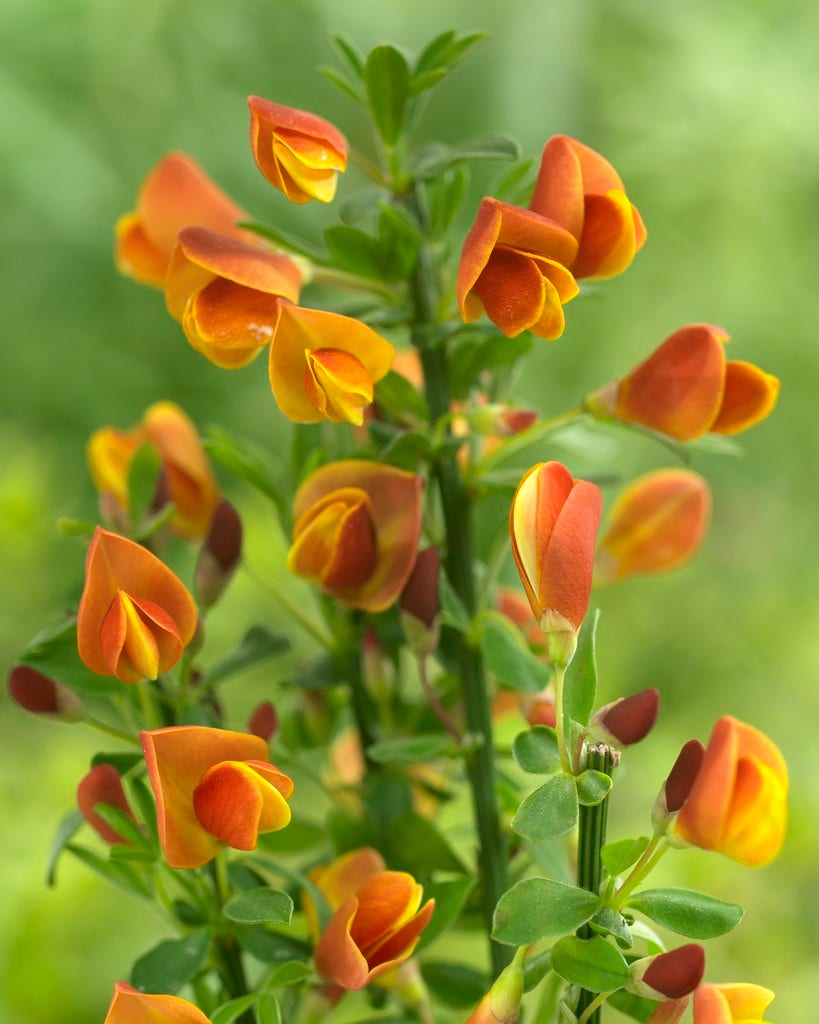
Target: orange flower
190 480
226 294
553 523
135 617
299 153
375 929
340 879
213 788
686 388
132 1007
737 804
737 1003
657 523
323 365
102 785
583 193
176 194
356 531
513 268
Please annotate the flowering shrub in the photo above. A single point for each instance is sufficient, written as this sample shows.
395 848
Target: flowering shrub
291 887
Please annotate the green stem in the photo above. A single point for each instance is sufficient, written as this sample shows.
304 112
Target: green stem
330 277
559 678
147 705
434 701
111 730
644 866
591 1010
591 839
492 850
231 967
513 445
291 608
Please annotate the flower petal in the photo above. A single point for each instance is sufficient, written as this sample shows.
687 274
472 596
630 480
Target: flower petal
129 1006
750 395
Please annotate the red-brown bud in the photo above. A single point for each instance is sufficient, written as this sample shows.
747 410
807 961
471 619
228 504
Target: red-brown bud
264 722
42 695
419 603
220 553
629 719
678 785
668 975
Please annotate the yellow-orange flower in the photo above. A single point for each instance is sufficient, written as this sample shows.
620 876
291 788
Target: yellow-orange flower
299 153
356 531
190 480
553 523
323 365
513 268
213 788
375 928
226 294
687 388
340 879
580 190
657 523
132 1007
135 616
738 802
176 194
736 1003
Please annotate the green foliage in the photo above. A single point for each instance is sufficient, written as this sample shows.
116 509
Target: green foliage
260 906
169 965
259 644
455 985
535 750
450 898
540 908
619 856
594 964
550 812
410 749
592 787
687 912
388 83
581 675
507 655
54 653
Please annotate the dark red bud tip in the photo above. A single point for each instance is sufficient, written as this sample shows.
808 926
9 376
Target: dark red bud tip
102 785
420 595
224 539
683 775
33 691
632 719
677 973
516 420
162 492
264 721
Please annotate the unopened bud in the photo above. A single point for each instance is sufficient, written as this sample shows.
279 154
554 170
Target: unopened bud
499 420
102 785
677 786
42 695
668 975
264 722
419 604
627 720
501 1004
220 553
561 637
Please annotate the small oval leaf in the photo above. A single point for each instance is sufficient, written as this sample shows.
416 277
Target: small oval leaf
594 964
687 912
535 750
540 907
260 906
550 811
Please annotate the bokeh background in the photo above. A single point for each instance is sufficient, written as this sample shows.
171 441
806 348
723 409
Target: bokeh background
707 110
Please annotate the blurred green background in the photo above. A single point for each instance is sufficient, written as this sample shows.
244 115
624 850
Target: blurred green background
707 111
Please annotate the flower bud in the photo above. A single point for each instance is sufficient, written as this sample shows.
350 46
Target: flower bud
264 722
677 786
501 1004
102 785
220 554
42 695
419 604
668 975
627 720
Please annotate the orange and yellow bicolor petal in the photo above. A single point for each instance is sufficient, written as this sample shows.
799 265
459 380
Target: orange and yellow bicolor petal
213 788
737 805
373 931
356 531
176 194
735 1003
129 1006
579 190
657 524
342 878
324 365
299 153
687 388
226 294
514 268
553 523
135 616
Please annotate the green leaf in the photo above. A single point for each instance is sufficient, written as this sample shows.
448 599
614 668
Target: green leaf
513 184
260 906
293 972
444 197
535 750
143 477
594 963
242 459
453 610
268 1010
299 836
484 147
399 238
652 943
284 240
633 1006
355 251
122 824
428 80
400 399
145 804
450 898
166 968
348 53
538 908
619 856
53 651
124 876
230 1011
119 759
66 830
610 922
258 645
414 844
476 351
507 656
550 811
592 787
581 676
410 749
387 81
69 526
434 53
455 985
340 82
535 969
270 947
364 203
687 912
